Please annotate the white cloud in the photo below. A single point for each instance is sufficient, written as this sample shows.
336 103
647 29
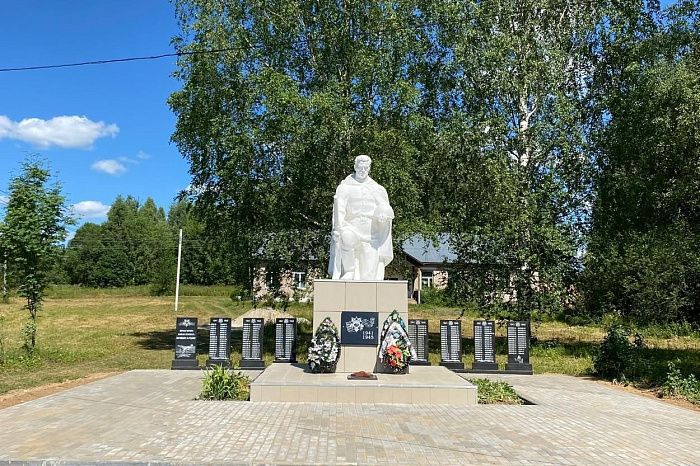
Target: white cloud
128 160
4 200
140 157
90 209
62 131
109 166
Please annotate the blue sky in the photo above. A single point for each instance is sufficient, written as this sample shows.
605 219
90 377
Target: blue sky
105 130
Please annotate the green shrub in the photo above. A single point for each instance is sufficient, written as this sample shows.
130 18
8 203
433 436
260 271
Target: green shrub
492 392
223 384
649 275
164 272
28 336
237 292
161 288
678 386
434 296
617 357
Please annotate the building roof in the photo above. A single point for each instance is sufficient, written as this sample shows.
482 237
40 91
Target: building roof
423 251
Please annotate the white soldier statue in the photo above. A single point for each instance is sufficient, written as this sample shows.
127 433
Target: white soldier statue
361 244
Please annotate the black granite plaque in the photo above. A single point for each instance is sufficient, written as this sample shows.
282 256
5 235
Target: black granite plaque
185 343
519 347
286 340
359 328
252 354
418 334
219 341
451 344
484 346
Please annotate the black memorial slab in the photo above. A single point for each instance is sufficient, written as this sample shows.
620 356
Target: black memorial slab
519 347
359 328
251 356
484 346
286 340
185 343
219 342
418 334
451 344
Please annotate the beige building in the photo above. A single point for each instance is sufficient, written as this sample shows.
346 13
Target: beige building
425 258
428 260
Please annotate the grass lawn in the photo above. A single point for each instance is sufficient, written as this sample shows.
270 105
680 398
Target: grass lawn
83 331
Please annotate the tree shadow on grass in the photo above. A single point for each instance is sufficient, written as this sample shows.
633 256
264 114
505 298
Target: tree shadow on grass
653 360
165 340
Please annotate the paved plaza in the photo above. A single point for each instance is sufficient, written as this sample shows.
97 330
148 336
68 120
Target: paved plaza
150 416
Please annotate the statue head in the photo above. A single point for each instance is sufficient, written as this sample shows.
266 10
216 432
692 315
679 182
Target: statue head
362 166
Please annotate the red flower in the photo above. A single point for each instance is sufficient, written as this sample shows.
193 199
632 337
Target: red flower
394 356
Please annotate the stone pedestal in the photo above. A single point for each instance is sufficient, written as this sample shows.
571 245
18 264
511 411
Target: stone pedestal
424 385
331 297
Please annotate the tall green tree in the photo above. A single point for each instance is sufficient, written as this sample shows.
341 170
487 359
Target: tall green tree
135 246
5 291
155 247
204 255
35 223
82 263
513 160
271 125
644 254
484 119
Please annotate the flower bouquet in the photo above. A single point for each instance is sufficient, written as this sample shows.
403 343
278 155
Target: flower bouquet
396 350
324 349
397 358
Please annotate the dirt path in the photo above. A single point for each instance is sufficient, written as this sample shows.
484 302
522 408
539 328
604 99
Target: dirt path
651 393
15 397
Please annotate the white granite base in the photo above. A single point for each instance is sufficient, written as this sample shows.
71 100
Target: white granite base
422 385
332 297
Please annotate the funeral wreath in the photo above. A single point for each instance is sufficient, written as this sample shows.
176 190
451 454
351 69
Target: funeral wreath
396 351
324 349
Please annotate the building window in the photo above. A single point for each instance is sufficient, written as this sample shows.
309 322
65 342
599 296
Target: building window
299 279
427 279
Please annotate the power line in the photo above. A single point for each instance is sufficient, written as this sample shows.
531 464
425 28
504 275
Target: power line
118 60
422 28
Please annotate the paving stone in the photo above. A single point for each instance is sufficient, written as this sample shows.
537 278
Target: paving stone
151 416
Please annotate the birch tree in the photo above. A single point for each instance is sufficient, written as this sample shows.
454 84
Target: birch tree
272 124
515 163
644 258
